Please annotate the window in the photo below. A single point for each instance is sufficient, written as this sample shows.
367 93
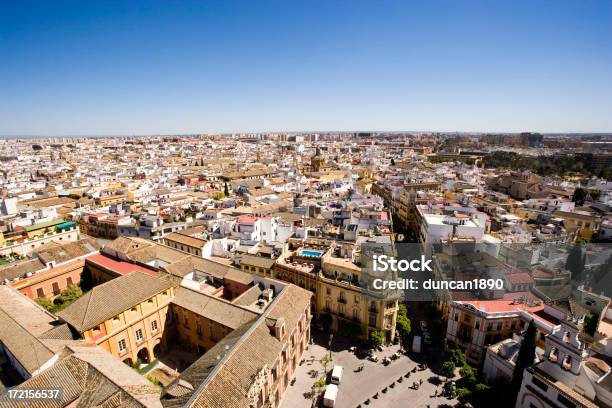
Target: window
372 319
154 326
328 291
40 292
56 289
499 325
139 335
69 281
477 324
122 346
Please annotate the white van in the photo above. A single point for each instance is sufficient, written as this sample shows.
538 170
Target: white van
336 375
329 398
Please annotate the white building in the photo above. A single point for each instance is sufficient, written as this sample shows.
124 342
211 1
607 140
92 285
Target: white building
568 376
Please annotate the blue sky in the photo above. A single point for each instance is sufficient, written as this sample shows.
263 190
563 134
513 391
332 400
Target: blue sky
146 67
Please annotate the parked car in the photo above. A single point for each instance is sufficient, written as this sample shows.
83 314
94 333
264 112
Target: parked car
336 375
329 398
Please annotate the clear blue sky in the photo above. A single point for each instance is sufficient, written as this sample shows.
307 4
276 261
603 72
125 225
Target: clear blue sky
143 67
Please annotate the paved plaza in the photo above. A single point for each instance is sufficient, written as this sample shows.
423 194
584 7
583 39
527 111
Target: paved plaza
357 387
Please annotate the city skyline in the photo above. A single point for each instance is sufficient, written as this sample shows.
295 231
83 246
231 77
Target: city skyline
148 68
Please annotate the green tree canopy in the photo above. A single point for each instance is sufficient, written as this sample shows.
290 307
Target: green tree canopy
590 323
377 338
468 373
448 369
579 195
403 324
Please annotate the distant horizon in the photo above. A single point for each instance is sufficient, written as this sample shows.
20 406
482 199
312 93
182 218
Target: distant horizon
49 136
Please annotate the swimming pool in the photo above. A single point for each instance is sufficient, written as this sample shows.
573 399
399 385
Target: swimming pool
311 253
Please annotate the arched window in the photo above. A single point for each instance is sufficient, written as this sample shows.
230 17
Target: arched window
566 336
567 363
554 354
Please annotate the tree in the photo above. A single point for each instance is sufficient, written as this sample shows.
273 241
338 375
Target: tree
575 261
579 195
595 195
468 373
463 395
226 190
403 324
484 395
46 303
526 358
377 338
392 162
590 323
325 360
448 369
457 357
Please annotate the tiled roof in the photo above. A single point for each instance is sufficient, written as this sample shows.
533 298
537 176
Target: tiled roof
90 377
227 386
217 310
23 345
185 239
120 267
258 261
63 253
17 269
111 298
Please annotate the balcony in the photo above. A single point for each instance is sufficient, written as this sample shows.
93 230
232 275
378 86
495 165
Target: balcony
342 300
